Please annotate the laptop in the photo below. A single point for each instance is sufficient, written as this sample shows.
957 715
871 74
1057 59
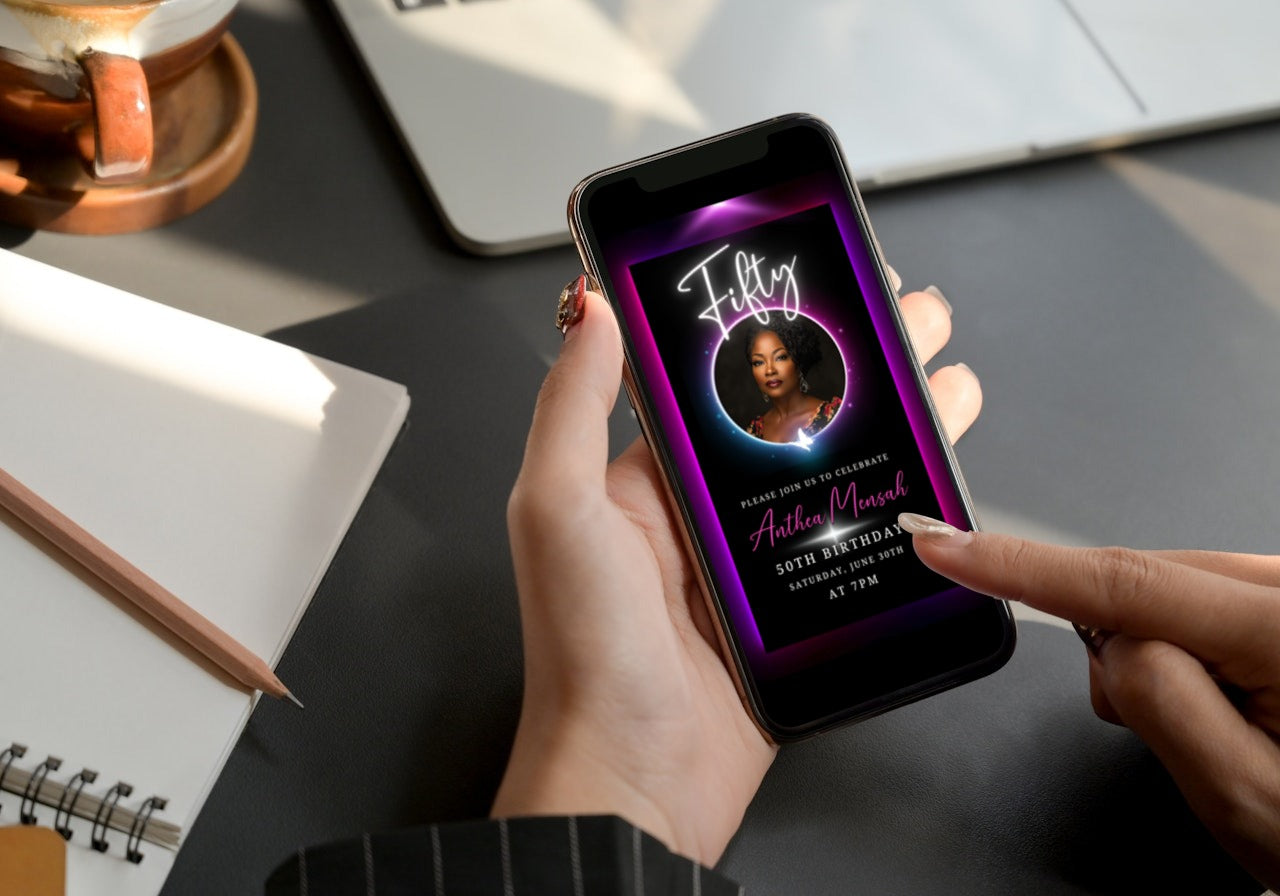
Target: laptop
504 105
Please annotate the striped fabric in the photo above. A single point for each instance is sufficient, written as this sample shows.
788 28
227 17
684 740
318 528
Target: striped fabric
577 856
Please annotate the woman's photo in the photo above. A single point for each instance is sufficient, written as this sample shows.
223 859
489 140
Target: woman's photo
782 381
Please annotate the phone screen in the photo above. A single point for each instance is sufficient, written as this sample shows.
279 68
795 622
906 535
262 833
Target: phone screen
793 424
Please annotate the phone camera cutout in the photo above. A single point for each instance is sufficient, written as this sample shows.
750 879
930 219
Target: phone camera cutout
781 381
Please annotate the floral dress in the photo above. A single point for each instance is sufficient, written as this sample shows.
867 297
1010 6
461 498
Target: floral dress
824 414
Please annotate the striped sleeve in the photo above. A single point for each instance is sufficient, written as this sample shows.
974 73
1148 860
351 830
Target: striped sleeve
582 856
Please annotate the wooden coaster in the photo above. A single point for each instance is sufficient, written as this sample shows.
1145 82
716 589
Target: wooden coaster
203 130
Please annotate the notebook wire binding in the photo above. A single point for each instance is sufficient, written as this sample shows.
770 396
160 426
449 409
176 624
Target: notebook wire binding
109 812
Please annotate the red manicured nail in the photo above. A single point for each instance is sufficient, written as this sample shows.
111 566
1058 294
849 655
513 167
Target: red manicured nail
569 310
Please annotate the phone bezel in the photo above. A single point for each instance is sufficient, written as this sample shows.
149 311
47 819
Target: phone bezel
700 170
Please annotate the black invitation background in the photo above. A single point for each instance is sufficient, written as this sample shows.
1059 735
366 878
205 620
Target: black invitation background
812 529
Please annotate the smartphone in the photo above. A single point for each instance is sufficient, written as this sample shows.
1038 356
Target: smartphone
778 390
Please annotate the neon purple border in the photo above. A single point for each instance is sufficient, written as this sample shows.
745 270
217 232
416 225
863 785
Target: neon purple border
716 221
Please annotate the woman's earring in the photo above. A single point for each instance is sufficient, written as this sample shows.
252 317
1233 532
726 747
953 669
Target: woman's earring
765 396
804 384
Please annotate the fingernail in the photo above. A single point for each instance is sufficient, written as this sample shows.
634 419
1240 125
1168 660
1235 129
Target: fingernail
894 279
934 530
965 366
569 309
937 294
1093 637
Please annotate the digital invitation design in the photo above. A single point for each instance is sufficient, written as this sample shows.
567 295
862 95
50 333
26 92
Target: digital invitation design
794 433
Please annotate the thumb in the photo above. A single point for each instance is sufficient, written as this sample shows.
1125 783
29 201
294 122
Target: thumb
1224 766
569 437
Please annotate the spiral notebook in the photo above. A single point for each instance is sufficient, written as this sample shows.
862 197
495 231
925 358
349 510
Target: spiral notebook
225 466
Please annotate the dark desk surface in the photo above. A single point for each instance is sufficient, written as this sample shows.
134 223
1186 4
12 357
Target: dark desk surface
1122 310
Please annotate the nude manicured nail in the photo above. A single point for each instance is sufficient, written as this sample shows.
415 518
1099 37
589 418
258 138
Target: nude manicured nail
894 280
569 309
937 294
933 530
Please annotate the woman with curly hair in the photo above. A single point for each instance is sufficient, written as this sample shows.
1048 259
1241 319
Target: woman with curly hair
779 356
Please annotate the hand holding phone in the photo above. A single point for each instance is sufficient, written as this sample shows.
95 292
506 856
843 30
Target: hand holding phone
628 706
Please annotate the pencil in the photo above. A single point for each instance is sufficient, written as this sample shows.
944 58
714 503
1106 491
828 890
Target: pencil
147 594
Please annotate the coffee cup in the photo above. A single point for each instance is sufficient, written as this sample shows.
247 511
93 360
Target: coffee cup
77 75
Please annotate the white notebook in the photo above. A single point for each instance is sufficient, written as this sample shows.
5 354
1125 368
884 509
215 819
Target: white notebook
225 466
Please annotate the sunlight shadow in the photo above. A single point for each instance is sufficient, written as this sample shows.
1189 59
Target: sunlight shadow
571 44
186 354
1245 252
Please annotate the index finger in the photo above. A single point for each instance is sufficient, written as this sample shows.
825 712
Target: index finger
1216 617
1257 568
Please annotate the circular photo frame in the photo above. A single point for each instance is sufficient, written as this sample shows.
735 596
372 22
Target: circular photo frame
762 369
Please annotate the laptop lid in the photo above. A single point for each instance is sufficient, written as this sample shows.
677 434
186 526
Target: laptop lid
506 104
